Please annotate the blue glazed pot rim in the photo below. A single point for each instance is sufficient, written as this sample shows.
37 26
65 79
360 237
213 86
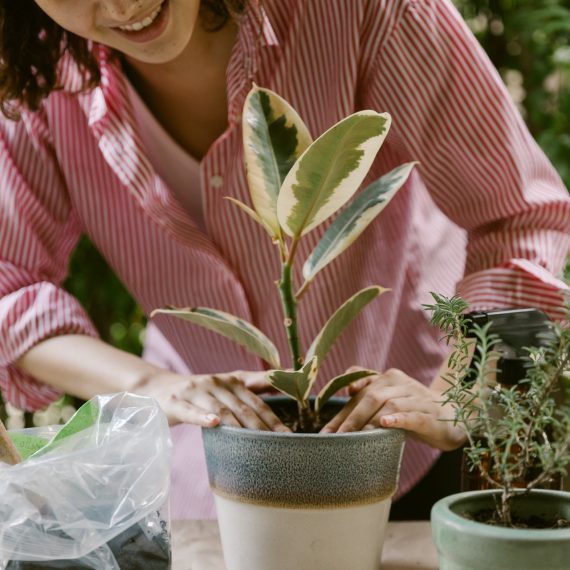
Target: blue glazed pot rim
443 515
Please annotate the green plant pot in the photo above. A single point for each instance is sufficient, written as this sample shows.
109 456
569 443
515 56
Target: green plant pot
298 501
464 544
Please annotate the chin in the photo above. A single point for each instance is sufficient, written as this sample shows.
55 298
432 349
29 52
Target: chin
157 55
163 51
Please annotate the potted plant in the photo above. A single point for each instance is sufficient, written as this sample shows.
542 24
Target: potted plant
518 440
304 500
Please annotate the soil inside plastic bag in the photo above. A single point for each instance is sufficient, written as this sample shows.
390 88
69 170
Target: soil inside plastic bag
132 549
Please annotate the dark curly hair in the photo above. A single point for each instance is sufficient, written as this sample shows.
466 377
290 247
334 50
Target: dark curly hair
31 45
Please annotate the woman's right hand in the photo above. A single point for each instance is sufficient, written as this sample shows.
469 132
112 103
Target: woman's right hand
208 400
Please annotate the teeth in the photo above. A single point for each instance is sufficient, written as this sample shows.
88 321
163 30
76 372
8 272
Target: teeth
137 26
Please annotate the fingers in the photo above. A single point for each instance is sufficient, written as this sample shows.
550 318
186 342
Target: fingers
181 411
247 408
227 397
207 401
424 427
239 410
262 410
411 421
385 394
394 400
359 385
362 409
256 382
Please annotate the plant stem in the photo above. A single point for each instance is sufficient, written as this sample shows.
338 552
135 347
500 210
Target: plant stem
546 392
305 417
290 313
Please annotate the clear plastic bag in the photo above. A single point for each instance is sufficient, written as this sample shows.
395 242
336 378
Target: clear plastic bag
96 496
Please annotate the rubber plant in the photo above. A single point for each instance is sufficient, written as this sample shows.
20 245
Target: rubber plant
295 185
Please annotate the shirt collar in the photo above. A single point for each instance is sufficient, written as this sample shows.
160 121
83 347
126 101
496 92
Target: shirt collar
107 108
257 41
261 26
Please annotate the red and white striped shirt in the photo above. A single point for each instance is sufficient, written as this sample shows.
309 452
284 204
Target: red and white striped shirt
485 215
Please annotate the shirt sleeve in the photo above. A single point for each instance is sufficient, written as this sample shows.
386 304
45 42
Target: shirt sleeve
38 232
478 160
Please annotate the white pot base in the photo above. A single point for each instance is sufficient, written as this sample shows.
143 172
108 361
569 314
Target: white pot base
269 538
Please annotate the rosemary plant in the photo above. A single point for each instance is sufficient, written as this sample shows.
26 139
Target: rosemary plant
519 436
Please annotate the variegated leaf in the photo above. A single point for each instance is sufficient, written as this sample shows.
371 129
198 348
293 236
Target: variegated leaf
330 171
234 328
251 213
274 136
337 384
296 384
348 226
342 317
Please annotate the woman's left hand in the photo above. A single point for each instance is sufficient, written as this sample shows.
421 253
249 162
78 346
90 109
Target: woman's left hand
393 399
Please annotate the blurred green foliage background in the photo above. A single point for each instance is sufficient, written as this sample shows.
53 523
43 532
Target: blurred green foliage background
119 320
529 43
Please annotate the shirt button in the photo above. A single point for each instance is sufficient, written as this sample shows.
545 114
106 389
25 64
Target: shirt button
216 181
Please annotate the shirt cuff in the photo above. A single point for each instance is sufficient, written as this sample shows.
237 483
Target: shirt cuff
518 283
27 317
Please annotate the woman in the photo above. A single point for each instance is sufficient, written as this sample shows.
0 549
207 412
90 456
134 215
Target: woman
133 137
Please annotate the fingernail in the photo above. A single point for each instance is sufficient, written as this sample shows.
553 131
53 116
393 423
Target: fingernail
388 420
326 430
211 418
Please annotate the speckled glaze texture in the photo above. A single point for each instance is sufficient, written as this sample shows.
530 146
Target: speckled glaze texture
464 544
303 470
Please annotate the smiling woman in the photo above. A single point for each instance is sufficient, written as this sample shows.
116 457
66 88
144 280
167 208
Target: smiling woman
33 38
131 133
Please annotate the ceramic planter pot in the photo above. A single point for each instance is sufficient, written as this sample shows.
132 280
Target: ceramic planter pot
468 545
302 501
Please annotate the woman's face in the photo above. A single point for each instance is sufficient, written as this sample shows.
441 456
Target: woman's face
152 31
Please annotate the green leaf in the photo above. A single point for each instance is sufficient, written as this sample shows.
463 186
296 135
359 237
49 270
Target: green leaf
296 384
274 136
339 383
348 226
343 316
234 328
83 418
27 445
330 171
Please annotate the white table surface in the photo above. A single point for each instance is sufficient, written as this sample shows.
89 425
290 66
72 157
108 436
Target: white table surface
196 546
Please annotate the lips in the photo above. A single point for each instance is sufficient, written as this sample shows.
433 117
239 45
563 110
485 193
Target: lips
143 23
148 28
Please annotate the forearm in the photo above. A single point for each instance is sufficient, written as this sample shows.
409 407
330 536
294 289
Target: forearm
84 366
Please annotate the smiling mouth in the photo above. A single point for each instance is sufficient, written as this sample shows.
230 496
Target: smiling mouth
145 23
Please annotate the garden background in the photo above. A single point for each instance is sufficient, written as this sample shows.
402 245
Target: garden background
529 43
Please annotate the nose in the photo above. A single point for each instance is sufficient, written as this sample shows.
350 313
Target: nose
121 10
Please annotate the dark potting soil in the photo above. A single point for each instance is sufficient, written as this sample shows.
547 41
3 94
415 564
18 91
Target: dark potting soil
132 549
488 516
288 413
